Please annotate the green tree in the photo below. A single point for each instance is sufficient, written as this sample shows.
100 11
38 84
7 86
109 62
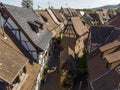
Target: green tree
27 4
82 64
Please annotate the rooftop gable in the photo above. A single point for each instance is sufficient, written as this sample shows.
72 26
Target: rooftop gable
79 27
58 16
50 23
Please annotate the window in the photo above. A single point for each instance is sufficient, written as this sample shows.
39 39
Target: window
36 25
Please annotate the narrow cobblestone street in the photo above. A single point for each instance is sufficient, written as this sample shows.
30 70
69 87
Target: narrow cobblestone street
52 82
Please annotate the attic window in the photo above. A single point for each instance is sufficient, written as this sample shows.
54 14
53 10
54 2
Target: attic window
36 25
118 69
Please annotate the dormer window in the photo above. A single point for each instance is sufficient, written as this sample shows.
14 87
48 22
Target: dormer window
36 25
41 25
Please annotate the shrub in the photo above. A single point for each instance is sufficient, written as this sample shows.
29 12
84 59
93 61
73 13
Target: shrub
58 39
82 64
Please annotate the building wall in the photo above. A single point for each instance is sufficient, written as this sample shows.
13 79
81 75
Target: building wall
20 79
79 47
22 39
56 32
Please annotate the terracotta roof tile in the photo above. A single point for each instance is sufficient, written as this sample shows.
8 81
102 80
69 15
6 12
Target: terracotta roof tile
114 57
50 23
78 26
11 60
110 45
58 16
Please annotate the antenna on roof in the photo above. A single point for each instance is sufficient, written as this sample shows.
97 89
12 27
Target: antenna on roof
49 4
2 27
38 10
39 7
66 5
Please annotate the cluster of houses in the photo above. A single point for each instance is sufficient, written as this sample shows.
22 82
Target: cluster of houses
26 42
103 54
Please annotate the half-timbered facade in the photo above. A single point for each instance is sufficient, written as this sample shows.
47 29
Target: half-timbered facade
28 33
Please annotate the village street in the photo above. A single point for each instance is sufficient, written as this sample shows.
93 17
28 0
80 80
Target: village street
52 82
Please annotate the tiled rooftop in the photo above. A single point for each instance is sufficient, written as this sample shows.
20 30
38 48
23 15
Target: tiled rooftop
11 59
115 21
50 24
114 57
79 26
110 45
32 71
96 67
21 16
109 81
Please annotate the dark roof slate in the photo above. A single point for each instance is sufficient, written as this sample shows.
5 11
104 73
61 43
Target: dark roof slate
109 81
21 16
95 16
102 34
115 21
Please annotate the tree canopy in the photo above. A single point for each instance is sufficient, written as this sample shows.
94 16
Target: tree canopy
27 4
